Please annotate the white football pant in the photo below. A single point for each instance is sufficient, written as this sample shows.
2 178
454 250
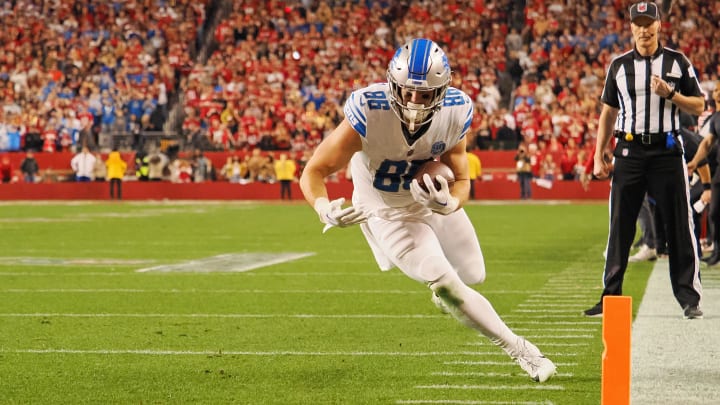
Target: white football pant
450 236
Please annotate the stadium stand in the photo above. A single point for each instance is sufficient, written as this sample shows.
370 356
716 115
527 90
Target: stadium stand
233 76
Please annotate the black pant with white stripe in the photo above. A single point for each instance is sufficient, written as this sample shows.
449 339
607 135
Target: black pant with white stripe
662 173
714 220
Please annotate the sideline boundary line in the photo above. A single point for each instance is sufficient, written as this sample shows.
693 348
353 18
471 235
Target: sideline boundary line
675 360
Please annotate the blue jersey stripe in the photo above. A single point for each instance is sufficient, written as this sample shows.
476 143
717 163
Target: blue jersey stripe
359 113
468 122
355 116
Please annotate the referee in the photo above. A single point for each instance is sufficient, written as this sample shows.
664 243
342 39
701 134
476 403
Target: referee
645 90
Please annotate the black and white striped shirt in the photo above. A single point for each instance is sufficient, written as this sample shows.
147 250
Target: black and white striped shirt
627 88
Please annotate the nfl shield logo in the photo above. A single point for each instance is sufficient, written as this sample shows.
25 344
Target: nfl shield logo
437 148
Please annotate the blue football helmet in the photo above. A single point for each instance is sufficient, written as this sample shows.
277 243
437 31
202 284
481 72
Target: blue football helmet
419 65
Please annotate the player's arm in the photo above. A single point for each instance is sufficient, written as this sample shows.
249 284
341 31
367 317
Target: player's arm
331 155
705 178
606 123
456 159
702 151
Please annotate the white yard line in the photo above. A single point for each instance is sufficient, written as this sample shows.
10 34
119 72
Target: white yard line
260 316
535 336
467 402
276 353
563 296
490 387
498 363
550 328
61 274
556 344
484 374
71 261
87 216
525 317
251 274
545 301
594 321
200 291
553 304
230 262
500 352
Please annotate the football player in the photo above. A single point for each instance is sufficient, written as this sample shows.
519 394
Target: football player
389 130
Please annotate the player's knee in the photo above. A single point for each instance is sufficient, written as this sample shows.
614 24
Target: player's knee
434 268
472 272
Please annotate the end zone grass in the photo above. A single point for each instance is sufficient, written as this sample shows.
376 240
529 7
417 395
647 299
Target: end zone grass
77 327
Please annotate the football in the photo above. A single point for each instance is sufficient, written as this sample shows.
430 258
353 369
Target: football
434 168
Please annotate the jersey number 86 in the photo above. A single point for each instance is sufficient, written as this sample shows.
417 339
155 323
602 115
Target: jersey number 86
393 174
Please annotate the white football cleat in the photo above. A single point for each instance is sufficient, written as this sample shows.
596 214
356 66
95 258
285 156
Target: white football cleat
528 356
439 303
644 254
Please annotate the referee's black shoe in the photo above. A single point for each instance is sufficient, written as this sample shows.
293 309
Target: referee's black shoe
595 311
692 312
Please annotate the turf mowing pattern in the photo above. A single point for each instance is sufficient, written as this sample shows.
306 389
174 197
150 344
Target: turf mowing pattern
80 324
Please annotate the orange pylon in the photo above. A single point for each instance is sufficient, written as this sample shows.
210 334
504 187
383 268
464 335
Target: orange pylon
616 332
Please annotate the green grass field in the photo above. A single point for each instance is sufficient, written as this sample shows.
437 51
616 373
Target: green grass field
80 324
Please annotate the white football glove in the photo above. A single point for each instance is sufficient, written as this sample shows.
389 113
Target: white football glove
332 214
440 201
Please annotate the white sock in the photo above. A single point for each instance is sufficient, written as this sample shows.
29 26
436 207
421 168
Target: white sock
475 311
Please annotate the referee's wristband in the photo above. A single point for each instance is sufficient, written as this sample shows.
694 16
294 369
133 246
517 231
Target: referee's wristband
706 186
671 95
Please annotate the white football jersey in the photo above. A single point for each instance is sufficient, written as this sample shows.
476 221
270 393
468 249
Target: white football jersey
383 170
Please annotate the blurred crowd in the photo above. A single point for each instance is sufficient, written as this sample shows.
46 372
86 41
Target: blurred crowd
73 69
243 75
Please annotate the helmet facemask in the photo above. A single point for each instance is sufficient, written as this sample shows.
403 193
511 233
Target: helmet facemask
420 65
